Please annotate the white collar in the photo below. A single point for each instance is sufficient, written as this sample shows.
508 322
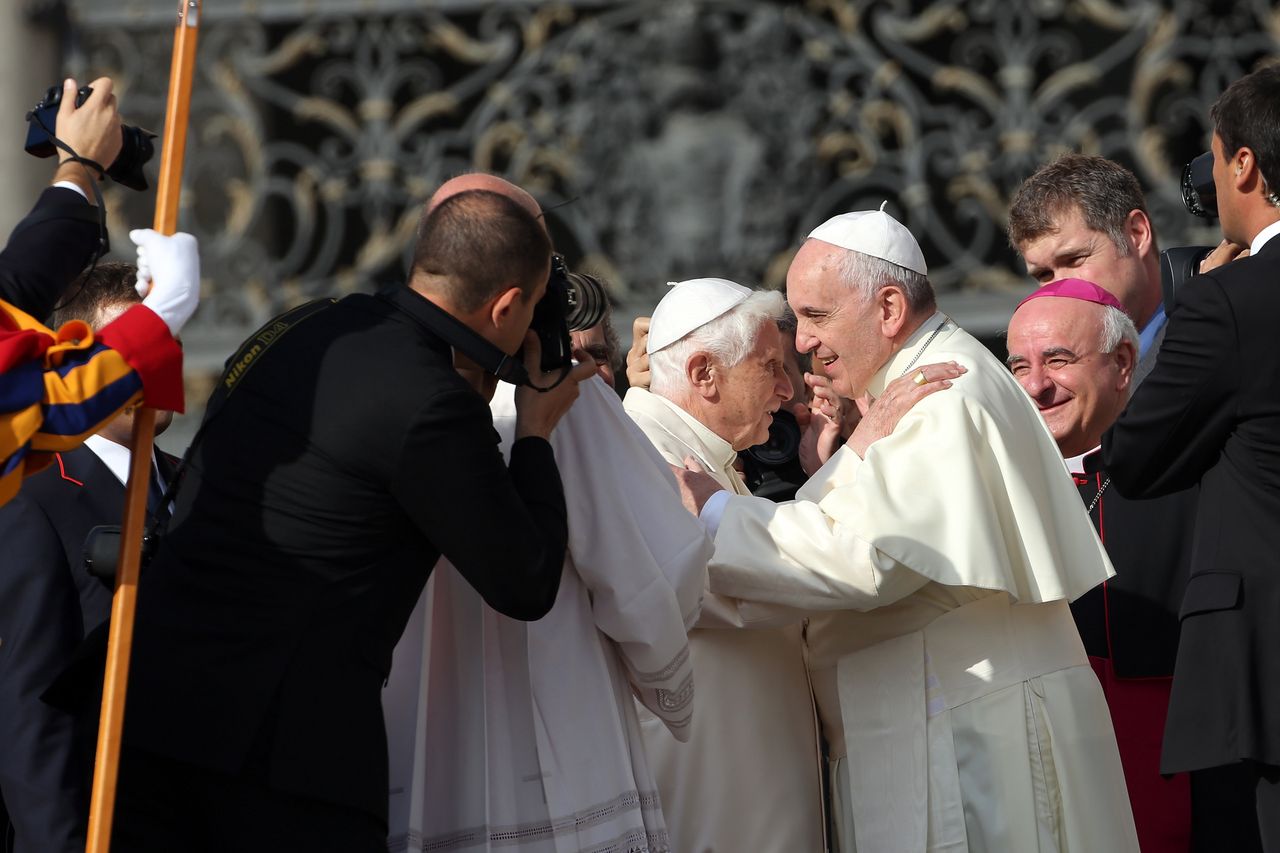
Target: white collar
914 348
719 452
1075 464
114 456
1261 238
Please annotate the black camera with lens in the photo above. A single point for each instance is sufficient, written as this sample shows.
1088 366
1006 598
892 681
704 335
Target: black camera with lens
573 302
135 151
1200 198
772 470
1199 195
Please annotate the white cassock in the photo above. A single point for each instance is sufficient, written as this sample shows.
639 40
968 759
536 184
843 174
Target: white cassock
512 735
948 667
749 779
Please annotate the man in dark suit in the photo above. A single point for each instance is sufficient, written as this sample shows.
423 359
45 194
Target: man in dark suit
347 458
56 386
1209 412
49 603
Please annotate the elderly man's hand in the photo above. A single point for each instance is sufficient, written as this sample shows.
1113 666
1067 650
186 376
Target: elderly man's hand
879 417
822 421
1224 253
637 356
696 485
92 131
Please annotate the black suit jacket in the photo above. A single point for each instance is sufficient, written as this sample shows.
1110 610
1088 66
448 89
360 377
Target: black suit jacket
349 458
1133 618
48 604
1209 413
47 250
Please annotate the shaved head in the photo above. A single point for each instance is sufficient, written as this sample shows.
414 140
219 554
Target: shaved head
473 244
482 181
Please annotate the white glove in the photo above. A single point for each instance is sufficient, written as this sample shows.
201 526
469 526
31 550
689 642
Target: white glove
168 275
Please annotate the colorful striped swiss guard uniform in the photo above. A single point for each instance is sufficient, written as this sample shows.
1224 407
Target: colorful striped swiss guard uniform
56 387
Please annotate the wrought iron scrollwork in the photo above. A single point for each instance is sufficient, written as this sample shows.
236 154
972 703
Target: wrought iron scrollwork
694 138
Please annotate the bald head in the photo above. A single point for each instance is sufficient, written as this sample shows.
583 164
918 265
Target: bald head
481 181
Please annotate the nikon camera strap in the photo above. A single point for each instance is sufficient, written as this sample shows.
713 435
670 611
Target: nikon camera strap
237 368
464 339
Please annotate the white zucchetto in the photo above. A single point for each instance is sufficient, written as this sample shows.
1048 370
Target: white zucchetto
874 233
690 305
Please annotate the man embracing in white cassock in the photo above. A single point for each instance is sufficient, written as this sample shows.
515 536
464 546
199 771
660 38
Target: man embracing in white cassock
523 735
951 683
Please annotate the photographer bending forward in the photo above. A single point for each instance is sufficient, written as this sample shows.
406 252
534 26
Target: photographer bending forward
346 461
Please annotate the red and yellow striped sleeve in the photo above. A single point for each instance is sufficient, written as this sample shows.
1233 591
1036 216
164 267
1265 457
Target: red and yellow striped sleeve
56 388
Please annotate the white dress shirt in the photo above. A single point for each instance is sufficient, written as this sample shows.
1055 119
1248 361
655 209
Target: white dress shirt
1261 238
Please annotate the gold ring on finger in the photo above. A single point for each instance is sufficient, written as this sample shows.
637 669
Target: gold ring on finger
919 378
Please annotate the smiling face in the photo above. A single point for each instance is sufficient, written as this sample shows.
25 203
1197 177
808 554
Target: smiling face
1055 354
748 393
844 331
1074 250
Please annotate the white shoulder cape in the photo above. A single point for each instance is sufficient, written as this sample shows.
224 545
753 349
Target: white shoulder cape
968 490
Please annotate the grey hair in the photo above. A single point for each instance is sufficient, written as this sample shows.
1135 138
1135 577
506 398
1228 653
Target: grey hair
787 323
1117 327
728 339
867 274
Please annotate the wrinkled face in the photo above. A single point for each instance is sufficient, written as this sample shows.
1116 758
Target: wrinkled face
1054 353
593 341
750 392
842 330
1075 250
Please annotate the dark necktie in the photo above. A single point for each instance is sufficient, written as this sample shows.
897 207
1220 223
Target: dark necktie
156 508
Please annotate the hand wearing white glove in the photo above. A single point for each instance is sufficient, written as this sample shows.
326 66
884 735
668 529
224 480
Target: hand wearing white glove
168 275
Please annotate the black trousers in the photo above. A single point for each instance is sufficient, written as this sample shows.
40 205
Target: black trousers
1236 807
1268 798
163 805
